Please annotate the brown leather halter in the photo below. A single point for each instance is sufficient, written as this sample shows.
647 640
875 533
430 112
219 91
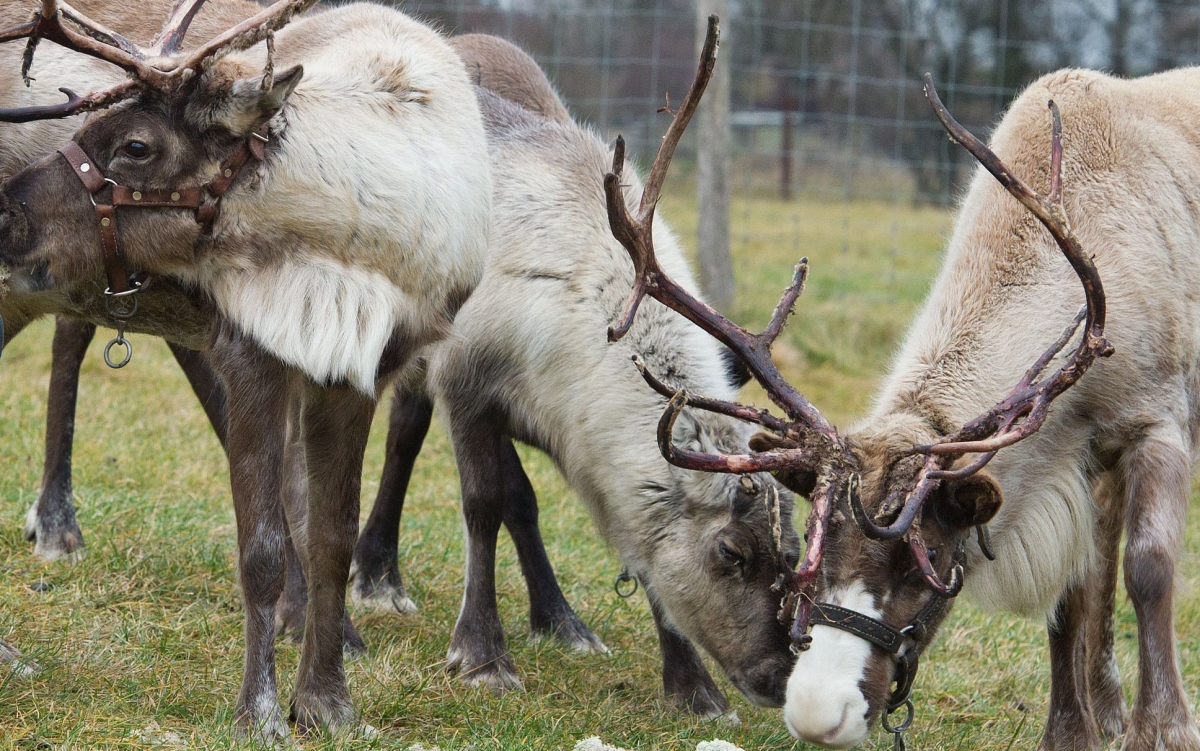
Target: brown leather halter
120 299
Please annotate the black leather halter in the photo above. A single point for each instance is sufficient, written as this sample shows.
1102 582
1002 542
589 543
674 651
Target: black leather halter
901 645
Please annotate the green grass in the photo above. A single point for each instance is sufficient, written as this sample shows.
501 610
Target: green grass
142 638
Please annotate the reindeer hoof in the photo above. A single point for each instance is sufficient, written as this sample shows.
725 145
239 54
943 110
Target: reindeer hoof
1168 734
379 590
333 713
497 675
21 667
705 702
54 540
572 633
269 730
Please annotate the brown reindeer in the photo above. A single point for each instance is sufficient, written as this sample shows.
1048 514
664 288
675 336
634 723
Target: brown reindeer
363 289
166 309
903 505
183 320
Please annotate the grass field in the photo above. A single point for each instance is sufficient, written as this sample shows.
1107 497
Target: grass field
140 642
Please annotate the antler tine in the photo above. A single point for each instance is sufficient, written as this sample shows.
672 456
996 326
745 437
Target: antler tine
74 105
740 464
246 34
98 31
998 427
170 39
731 409
635 234
929 573
658 171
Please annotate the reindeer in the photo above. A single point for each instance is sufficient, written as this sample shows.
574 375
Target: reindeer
538 373
165 308
897 499
494 64
375 257
488 407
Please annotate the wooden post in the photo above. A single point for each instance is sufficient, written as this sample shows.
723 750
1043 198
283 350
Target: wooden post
713 166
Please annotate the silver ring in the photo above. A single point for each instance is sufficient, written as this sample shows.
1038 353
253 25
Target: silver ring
108 353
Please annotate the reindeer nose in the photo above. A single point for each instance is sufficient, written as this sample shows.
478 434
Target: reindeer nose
832 724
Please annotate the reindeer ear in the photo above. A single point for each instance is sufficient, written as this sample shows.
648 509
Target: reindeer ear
973 500
249 102
799 481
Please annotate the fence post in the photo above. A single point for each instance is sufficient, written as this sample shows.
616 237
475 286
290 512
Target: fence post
714 146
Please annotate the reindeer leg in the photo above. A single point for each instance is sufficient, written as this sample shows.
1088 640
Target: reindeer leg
1070 726
477 649
258 394
336 423
375 575
293 605
51 521
205 385
685 679
1157 475
1104 679
549 612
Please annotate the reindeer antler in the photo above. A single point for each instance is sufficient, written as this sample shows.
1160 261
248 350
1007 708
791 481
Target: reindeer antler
819 446
1021 413
149 68
635 233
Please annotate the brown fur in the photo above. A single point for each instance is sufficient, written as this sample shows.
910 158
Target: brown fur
508 72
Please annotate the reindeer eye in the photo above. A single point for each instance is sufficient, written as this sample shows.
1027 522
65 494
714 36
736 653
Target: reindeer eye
730 555
135 150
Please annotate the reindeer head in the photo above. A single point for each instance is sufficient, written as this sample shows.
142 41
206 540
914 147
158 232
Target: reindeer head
893 503
171 128
714 565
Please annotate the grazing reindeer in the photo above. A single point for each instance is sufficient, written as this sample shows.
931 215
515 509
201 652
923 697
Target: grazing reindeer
329 259
895 500
539 373
504 70
509 372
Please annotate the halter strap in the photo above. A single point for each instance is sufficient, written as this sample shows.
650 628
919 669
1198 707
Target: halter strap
120 281
120 298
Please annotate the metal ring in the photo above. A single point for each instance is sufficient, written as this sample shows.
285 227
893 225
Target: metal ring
623 578
887 713
137 287
108 353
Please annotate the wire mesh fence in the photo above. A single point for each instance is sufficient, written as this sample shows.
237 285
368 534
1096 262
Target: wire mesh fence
826 98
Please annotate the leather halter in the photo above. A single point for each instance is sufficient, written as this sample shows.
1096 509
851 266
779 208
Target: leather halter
120 299
899 644
120 282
